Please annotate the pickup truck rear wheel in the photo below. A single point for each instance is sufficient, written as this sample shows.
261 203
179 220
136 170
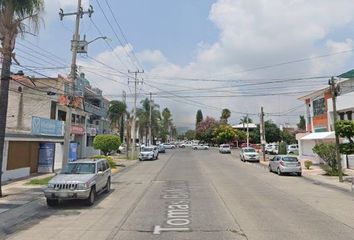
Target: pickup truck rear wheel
91 199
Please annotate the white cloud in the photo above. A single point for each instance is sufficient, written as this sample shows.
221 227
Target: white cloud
253 34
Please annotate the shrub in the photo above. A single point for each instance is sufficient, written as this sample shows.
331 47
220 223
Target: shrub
106 143
308 164
282 148
328 154
109 159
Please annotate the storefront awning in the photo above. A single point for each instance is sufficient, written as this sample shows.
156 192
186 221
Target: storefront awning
319 136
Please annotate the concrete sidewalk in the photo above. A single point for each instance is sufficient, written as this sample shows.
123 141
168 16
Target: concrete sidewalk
18 193
316 175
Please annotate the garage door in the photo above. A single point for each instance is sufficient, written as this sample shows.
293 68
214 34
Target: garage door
351 161
23 154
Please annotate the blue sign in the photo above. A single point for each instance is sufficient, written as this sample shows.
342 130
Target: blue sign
47 127
46 157
73 152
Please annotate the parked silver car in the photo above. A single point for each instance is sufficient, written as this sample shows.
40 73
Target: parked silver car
285 164
81 179
149 153
249 154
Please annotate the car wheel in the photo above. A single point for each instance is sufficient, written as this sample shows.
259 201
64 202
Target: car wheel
157 156
52 202
91 199
299 174
270 169
279 172
108 186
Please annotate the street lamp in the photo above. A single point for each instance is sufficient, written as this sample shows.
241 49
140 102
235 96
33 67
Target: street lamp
82 45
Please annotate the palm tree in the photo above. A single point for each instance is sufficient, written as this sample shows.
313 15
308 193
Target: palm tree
166 123
245 119
116 112
13 13
144 117
225 114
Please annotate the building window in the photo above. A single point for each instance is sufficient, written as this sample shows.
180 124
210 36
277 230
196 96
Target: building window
341 116
350 115
318 107
61 115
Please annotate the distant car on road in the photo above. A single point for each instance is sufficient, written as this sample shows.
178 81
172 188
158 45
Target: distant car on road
161 148
200 147
224 148
81 179
285 164
249 154
148 153
169 146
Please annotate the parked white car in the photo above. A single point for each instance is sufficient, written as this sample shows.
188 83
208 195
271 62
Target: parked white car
81 179
149 153
224 148
293 149
200 147
272 148
169 146
249 154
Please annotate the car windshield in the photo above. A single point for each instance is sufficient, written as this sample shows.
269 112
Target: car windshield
226 146
80 168
249 150
148 149
290 159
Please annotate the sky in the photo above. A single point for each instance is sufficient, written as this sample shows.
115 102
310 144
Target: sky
201 54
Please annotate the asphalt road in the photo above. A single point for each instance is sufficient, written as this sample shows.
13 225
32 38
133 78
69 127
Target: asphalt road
200 194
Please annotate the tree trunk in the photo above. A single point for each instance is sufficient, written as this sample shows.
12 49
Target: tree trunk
4 93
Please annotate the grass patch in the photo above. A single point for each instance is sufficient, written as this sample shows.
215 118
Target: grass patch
39 181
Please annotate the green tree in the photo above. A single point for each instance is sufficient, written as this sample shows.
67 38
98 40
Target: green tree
224 133
116 112
272 132
282 148
302 123
225 115
199 118
345 129
245 119
13 13
106 143
144 118
287 137
190 134
166 123
327 152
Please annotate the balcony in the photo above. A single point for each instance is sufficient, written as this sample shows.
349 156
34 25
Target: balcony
95 110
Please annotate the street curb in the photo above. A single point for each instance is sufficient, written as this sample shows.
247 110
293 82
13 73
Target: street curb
126 168
318 182
328 185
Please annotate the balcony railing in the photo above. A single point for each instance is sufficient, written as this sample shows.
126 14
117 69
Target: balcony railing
95 110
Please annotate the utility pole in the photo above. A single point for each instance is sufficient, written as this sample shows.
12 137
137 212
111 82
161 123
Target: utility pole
136 82
72 90
248 132
262 133
150 121
334 93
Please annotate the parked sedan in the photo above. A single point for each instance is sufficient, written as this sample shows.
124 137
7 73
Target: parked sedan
285 164
169 146
249 154
149 153
200 147
224 148
161 148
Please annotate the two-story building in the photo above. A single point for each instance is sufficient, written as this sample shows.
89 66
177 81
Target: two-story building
319 118
37 111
